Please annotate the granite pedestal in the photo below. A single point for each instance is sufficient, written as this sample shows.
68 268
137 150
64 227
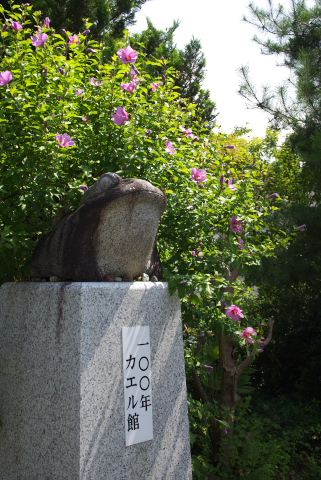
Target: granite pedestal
61 390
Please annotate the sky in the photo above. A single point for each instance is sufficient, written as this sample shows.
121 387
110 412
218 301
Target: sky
227 45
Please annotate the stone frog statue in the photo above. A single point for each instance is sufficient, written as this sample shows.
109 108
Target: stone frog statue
112 234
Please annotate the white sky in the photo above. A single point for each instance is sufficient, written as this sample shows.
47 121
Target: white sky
227 45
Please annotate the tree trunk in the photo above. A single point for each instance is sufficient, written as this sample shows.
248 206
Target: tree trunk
228 400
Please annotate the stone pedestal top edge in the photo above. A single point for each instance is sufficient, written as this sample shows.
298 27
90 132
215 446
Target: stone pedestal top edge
91 285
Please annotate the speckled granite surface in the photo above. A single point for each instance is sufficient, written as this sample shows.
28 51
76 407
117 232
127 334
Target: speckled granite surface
61 401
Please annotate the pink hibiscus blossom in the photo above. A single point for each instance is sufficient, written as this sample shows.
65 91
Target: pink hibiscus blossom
127 55
199 175
274 195
46 22
230 185
133 75
170 148
39 39
156 85
188 131
16 26
247 334
64 140
95 82
5 78
241 244
121 116
80 91
74 39
235 313
236 225
130 87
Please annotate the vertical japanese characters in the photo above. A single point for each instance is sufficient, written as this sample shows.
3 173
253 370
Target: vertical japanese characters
137 384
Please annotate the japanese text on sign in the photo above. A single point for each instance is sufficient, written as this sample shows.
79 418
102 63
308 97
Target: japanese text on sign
137 385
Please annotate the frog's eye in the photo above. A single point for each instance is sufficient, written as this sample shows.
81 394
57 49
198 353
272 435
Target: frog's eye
107 180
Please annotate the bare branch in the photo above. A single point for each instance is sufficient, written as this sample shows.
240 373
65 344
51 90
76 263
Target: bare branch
199 387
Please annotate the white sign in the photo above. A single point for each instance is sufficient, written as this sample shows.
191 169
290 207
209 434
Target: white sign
137 385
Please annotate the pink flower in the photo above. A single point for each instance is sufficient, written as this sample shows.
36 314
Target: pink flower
247 334
236 225
64 140
127 55
155 86
133 75
46 22
39 39
95 82
201 243
302 227
16 26
129 86
5 78
241 242
80 91
274 195
170 148
74 39
121 116
201 254
199 175
230 184
235 313
85 119
83 187
188 131
193 252
208 369
91 50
